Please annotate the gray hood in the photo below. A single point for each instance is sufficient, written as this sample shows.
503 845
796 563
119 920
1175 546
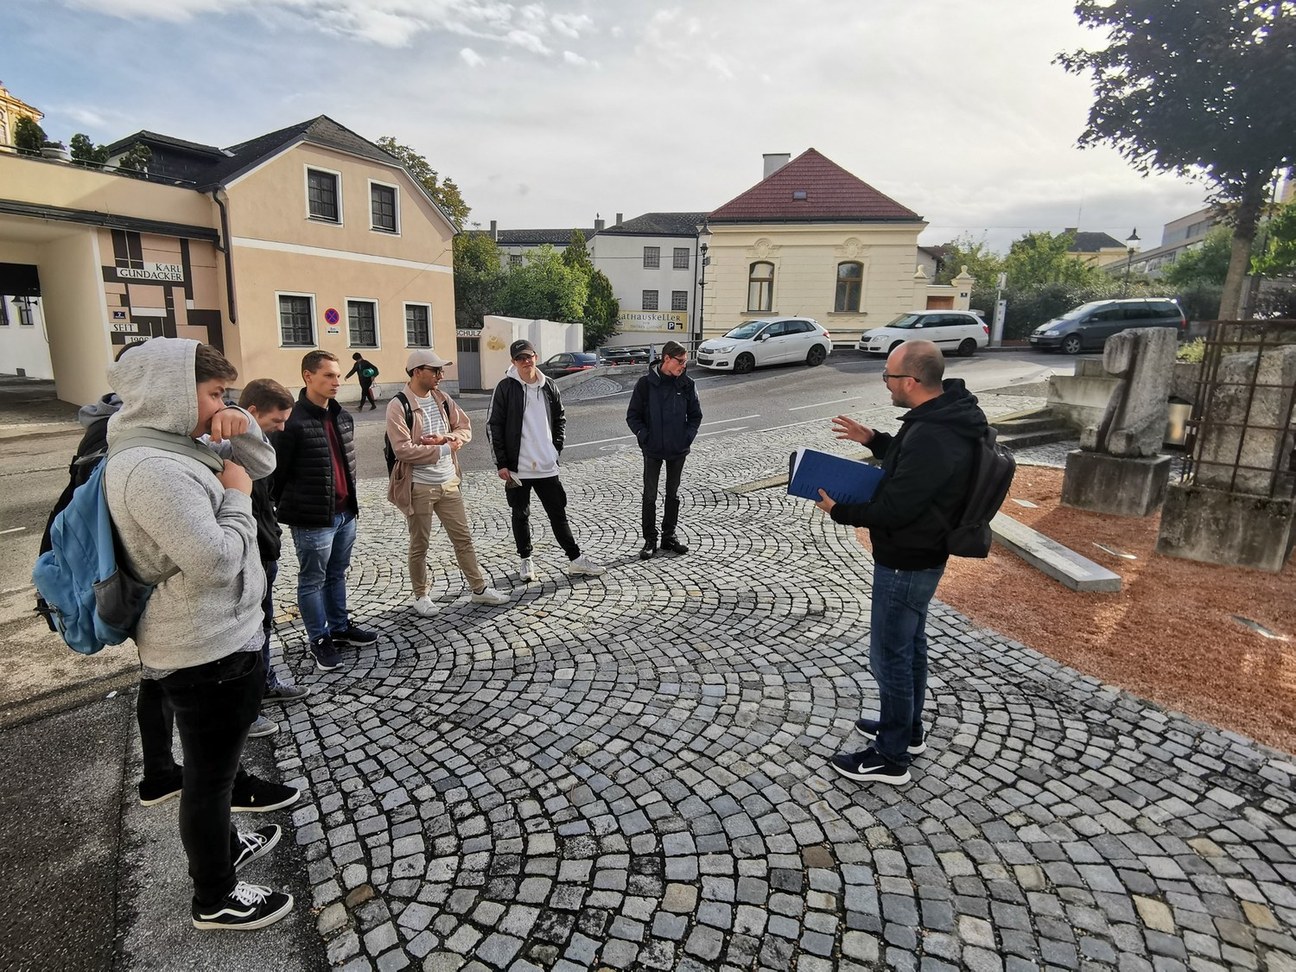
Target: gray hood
157 389
107 406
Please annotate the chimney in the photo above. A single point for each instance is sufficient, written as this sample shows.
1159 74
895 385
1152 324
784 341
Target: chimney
618 221
598 225
494 230
775 161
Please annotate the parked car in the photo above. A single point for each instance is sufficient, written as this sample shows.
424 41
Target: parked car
569 363
959 331
770 340
1090 325
623 356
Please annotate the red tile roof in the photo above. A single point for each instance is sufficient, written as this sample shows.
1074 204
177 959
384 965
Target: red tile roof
811 188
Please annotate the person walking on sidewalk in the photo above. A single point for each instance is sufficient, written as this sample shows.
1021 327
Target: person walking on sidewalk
927 466
526 425
664 414
200 634
315 494
367 372
426 430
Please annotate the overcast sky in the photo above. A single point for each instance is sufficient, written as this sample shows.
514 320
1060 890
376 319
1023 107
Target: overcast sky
548 113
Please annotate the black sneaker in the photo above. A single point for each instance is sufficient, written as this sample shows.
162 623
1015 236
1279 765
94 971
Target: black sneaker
673 545
284 693
649 549
869 767
254 795
868 728
246 907
153 792
326 654
247 846
351 635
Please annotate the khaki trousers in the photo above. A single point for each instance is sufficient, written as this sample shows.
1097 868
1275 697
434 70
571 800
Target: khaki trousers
447 503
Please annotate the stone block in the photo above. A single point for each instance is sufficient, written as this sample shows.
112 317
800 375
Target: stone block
1216 527
1116 485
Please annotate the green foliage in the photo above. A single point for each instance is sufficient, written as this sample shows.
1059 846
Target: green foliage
28 136
86 152
1039 259
136 159
982 263
577 255
1203 265
444 191
477 278
1199 300
544 287
1030 307
601 311
1277 256
1192 352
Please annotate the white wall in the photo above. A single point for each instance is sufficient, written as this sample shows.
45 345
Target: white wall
548 337
621 260
25 347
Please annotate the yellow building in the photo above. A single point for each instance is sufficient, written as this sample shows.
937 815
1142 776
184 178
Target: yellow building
11 109
307 237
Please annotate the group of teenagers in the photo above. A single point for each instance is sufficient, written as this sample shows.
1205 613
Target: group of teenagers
212 541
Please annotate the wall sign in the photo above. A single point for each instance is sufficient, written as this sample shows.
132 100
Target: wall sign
172 272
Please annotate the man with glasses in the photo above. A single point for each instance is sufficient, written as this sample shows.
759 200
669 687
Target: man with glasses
928 467
426 430
526 426
664 414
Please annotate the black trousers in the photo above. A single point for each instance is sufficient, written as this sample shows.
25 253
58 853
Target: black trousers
554 500
366 393
670 511
214 705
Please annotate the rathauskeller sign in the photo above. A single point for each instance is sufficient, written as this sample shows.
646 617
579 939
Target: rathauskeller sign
642 320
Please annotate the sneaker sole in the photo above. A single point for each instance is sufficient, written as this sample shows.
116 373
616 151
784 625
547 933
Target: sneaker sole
911 750
263 850
262 733
321 667
287 698
262 922
872 777
174 794
286 802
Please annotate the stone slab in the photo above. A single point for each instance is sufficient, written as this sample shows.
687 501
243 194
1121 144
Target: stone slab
1061 563
1117 485
1218 527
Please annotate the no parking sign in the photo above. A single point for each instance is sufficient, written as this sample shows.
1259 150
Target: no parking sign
331 317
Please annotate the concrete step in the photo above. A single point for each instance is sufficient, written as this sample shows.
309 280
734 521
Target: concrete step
1042 437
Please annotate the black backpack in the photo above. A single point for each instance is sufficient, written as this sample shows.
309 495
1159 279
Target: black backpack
993 467
388 452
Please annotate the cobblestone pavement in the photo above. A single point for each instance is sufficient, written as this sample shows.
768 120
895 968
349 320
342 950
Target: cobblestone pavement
629 771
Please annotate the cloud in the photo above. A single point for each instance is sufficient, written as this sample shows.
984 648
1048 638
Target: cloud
571 57
471 57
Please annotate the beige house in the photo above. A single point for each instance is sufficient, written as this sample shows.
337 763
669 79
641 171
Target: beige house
307 237
812 239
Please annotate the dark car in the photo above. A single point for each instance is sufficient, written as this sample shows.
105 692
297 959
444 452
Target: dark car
1090 325
624 356
569 363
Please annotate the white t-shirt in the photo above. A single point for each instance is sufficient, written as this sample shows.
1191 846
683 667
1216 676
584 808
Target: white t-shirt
434 423
537 457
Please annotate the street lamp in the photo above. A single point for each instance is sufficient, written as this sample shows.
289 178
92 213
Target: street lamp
701 297
1129 259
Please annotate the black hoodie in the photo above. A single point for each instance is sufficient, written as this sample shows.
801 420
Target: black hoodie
928 464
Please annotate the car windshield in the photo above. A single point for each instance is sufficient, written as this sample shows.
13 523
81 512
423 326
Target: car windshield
1080 311
747 329
905 321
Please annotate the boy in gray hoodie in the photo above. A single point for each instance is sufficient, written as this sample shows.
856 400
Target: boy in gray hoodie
192 532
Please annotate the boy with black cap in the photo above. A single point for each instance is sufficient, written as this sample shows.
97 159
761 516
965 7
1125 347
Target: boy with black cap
526 426
426 477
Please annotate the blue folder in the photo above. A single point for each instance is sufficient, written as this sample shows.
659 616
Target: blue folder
845 480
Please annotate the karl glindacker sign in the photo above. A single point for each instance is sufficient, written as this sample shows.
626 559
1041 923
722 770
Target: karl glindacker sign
173 272
642 320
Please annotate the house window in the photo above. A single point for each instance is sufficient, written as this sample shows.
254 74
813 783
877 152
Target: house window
515 260
679 300
362 323
649 300
25 317
322 195
681 258
652 257
382 206
418 326
850 277
760 287
296 321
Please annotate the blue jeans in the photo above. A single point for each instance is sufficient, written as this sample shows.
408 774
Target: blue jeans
898 655
323 556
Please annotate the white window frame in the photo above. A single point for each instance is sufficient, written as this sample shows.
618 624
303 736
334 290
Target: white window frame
377 345
279 319
643 300
307 169
394 188
418 303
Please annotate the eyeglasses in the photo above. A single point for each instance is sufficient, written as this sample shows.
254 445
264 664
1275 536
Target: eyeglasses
525 357
435 371
886 377
678 357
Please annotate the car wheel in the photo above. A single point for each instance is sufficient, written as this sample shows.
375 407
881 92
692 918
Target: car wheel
743 364
891 349
1071 344
816 356
967 348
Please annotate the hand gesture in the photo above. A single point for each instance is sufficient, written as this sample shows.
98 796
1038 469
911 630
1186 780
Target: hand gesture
234 476
848 428
433 439
227 424
826 502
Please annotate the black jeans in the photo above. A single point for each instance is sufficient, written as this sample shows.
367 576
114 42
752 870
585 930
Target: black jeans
214 704
366 394
155 720
670 511
554 500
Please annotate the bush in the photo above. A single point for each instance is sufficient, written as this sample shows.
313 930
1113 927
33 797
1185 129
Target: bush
1193 352
1028 309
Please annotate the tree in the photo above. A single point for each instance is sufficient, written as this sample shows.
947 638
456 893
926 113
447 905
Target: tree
1206 90
982 263
28 135
444 191
577 255
477 278
1277 252
86 152
602 310
1206 263
544 287
1045 258
135 159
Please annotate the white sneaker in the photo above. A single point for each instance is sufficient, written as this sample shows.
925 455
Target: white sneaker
423 606
527 571
583 565
262 727
488 595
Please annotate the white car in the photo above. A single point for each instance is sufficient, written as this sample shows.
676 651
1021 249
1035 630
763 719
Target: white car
959 331
767 341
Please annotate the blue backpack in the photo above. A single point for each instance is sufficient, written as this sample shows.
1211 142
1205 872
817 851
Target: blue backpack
93 598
